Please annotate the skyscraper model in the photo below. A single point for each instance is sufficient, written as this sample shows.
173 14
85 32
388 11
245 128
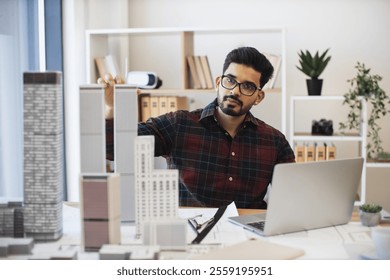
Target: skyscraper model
156 191
43 155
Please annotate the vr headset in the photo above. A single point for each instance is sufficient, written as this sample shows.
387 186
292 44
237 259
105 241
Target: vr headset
143 79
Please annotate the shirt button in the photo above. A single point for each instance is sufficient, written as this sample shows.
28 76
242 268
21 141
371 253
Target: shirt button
233 153
230 179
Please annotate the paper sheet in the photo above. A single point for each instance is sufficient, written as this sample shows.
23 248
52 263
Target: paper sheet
223 232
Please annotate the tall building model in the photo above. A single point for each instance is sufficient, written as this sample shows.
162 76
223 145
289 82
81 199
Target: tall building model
156 191
93 138
43 155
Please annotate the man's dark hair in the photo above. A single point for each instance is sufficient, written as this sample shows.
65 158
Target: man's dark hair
253 58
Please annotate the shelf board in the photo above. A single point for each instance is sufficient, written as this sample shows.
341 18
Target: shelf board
177 91
317 97
377 164
179 29
200 91
302 136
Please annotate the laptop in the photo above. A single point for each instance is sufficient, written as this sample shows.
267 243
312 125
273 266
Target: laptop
307 195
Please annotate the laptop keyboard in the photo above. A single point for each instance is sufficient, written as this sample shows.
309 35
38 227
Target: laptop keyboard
258 225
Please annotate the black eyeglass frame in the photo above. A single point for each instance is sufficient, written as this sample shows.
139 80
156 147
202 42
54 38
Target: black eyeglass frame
239 85
198 227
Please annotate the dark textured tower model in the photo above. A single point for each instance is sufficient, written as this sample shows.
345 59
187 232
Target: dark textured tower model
43 155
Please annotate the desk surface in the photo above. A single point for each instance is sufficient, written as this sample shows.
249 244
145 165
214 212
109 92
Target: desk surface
350 241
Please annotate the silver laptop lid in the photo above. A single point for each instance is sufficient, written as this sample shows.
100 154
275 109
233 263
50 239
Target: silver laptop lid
312 195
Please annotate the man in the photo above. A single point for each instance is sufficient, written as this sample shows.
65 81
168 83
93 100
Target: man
223 153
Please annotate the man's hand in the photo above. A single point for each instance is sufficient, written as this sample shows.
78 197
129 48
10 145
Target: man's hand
108 83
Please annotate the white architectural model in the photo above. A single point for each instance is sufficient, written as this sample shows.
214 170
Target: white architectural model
93 138
156 191
92 130
125 131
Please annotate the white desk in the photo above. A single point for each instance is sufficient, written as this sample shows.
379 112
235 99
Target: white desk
350 241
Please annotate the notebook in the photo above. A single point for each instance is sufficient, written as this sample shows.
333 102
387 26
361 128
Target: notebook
306 196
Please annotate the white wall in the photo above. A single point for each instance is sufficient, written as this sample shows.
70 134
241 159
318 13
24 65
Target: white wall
79 16
13 62
354 30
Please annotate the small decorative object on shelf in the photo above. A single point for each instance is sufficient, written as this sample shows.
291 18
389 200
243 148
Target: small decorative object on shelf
370 214
322 127
143 79
366 85
313 66
383 157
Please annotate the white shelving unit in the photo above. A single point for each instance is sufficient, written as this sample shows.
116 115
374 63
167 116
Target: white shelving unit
164 51
378 164
360 137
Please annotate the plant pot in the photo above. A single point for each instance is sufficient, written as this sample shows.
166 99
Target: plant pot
314 86
369 219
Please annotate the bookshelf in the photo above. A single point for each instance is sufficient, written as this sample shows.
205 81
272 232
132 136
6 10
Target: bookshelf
305 137
165 51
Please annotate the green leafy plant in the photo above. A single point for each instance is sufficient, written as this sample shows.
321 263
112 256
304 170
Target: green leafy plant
370 208
366 85
313 65
385 156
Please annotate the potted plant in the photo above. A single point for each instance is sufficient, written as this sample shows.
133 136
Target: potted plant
313 66
366 86
369 214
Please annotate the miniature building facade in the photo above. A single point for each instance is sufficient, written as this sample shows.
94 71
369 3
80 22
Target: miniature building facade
100 210
125 131
92 130
11 219
156 191
43 155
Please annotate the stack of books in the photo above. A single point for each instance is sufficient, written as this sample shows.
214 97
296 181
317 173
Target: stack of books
200 72
276 61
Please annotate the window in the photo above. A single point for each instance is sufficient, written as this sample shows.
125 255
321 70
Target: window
20 45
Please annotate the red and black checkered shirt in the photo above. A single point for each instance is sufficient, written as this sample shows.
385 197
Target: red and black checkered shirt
216 169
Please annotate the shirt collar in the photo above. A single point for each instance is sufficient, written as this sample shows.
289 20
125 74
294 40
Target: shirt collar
209 110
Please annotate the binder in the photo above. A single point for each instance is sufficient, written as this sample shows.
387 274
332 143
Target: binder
309 153
177 103
162 105
193 72
154 106
145 107
207 71
199 69
331 152
299 151
320 153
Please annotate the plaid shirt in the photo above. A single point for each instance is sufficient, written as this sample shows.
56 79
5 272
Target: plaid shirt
216 169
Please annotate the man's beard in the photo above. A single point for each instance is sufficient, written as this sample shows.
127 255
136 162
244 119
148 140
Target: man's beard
228 109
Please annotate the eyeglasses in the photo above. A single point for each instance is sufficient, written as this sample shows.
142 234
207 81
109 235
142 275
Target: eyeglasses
204 226
230 83
199 226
